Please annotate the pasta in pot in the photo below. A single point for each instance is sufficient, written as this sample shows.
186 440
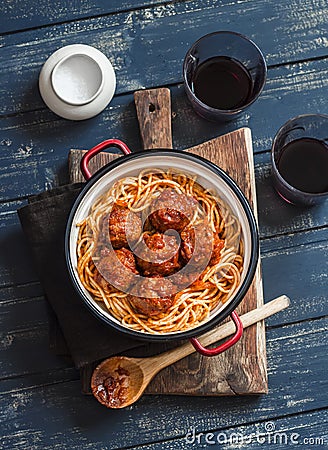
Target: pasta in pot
172 213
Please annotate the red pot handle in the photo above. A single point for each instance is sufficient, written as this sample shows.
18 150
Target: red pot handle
97 149
227 344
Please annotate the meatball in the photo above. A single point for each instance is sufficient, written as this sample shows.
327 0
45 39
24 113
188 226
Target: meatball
124 227
126 257
154 296
187 243
117 268
185 278
218 245
210 245
204 236
158 255
172 210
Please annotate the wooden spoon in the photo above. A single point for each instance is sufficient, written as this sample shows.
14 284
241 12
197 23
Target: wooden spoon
120 381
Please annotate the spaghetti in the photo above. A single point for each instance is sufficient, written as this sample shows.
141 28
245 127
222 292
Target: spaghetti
193 304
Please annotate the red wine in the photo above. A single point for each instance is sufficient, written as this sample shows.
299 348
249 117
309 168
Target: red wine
303 163
222 83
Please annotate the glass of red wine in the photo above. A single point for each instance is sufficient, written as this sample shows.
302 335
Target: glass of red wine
300 160
224 72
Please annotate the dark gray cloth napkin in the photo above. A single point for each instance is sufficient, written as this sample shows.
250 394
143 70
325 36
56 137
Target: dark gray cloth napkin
87 339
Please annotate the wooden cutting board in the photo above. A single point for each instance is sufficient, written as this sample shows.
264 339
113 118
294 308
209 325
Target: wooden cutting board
243 368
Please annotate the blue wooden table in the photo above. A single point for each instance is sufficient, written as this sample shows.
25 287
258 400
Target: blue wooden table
41 403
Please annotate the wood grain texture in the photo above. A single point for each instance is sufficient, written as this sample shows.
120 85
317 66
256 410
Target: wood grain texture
154 116
306 429
133 42
242 369
37 143
17 16
41 406
56 414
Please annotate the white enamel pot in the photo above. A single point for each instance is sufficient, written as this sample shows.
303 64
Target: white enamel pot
209 176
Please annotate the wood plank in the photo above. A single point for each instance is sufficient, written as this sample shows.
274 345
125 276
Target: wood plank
18 16
282 269
307 429
154 113
22 314
142 39
36 144
20 352
57 414
20 292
